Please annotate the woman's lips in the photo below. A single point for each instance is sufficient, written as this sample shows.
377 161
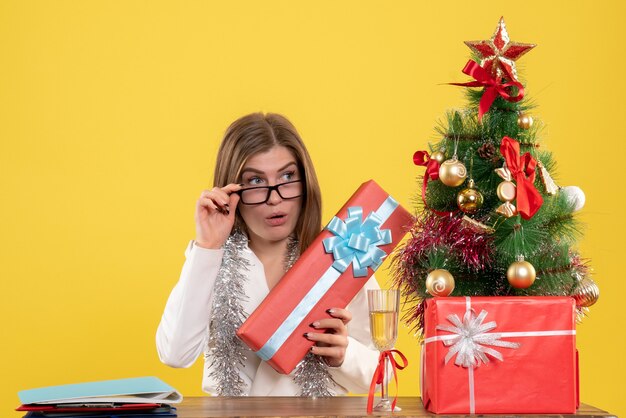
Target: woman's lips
276 219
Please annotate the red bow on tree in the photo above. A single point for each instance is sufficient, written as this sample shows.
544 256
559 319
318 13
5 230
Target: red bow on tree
432 172
494 87
522 169
380 373
432 168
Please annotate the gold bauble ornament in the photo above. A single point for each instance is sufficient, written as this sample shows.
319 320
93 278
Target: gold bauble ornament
587 293
469 200
506 191
438 156
439 282
524 121
452 172
521 274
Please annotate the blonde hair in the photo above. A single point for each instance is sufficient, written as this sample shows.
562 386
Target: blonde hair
257 133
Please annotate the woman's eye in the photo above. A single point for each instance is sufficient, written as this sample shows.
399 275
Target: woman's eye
255 181
289 176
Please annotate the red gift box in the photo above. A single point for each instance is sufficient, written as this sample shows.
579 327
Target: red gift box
534 338
366 229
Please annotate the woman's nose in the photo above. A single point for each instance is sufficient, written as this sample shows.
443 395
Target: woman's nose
274 198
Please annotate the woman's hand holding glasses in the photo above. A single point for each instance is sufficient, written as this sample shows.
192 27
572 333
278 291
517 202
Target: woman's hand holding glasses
215 215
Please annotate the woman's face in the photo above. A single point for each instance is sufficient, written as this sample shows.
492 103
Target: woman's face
275 219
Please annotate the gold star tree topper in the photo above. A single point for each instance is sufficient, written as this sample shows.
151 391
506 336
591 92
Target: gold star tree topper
499 53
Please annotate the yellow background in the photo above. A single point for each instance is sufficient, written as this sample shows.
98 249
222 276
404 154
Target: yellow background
111 113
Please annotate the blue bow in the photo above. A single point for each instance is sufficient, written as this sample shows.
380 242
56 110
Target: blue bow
357 242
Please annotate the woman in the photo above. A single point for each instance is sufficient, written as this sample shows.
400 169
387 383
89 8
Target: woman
264 210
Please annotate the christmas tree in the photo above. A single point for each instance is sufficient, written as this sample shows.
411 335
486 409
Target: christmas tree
491 219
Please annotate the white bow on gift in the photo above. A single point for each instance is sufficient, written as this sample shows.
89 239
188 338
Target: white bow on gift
472 338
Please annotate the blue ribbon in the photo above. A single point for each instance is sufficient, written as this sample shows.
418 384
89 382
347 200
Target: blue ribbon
356 242
360 240
296 316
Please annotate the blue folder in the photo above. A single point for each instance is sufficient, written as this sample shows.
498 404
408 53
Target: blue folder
163 414
133 390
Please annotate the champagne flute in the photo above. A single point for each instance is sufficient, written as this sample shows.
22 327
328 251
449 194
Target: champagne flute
383 307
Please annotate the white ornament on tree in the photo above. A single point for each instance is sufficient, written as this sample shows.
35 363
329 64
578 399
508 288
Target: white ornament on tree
575 197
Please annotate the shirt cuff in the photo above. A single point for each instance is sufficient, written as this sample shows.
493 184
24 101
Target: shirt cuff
198 251
357 369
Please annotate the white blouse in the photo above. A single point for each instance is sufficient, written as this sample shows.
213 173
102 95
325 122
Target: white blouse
183 332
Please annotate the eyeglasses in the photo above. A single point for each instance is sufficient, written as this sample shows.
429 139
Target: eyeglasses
258 195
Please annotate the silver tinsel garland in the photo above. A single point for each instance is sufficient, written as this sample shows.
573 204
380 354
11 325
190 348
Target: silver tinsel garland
313 377
311 373
226 351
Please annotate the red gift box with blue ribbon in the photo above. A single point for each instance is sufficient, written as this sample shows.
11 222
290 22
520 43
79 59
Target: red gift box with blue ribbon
328 274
